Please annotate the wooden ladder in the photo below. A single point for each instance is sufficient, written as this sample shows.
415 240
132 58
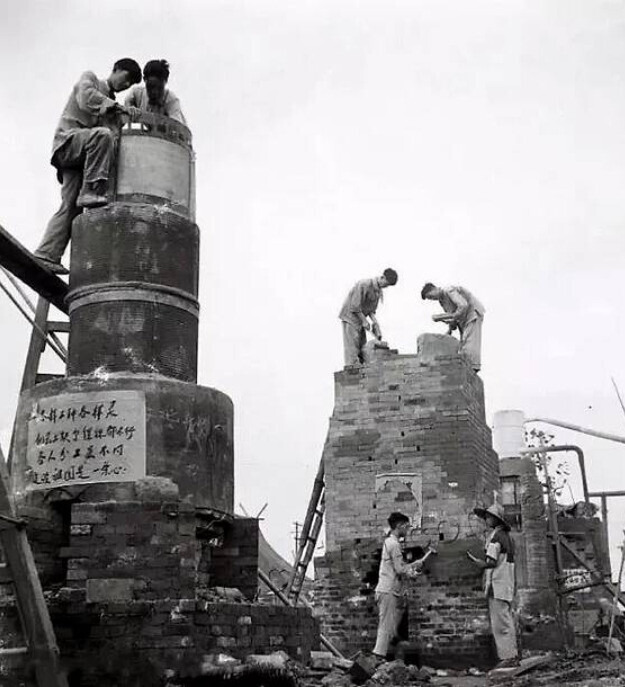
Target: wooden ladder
309 536
19 570
44 334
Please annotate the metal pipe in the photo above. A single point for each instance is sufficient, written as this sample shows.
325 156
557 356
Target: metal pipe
565 447
578 428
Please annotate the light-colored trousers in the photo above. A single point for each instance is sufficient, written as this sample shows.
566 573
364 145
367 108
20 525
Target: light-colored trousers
503 628
88 153
471 342
354 339
391 608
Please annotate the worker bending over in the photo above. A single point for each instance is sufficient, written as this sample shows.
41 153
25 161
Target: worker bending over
153 96
462 311
358 314
82 152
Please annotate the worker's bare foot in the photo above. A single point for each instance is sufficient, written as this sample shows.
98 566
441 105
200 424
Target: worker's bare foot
88 199
54 267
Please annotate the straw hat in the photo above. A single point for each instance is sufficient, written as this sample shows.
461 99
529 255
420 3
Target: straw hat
496 511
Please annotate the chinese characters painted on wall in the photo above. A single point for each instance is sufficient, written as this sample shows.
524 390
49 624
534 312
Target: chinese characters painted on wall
86 437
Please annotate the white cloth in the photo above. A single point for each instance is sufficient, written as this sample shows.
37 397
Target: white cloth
499 581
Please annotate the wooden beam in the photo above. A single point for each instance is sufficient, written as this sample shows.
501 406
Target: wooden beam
23 264
31 603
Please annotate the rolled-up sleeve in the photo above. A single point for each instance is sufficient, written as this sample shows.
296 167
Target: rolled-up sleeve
400 567
493 550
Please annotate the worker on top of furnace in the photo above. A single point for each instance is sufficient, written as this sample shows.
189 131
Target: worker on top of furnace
390 592
82 151
499 583
361 303
462 311
153 96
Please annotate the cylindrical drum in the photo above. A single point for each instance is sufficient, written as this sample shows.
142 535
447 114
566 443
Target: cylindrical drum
133 292
508 433
156 165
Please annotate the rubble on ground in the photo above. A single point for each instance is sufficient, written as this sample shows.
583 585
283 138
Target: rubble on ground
566 669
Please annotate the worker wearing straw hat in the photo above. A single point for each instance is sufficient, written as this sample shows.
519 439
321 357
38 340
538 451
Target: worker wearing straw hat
498 568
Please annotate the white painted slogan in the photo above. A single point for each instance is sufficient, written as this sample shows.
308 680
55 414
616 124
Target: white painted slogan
82 438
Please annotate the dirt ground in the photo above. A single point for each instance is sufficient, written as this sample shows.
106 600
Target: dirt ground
590 669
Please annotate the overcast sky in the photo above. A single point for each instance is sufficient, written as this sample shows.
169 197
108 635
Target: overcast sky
479 143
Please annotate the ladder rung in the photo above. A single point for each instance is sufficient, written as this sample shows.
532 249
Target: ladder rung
5 575
57 326
16 651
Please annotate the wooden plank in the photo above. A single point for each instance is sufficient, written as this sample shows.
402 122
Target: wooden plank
57 326
31 604
22 263
36 345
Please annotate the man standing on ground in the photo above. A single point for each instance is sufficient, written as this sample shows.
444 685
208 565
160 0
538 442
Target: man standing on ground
360 304
82 151
154 96
390 592
499 584
463 311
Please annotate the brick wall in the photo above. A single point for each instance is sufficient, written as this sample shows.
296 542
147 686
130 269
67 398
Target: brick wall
235 564
134 643
535 571
408 433
141 593
407 414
